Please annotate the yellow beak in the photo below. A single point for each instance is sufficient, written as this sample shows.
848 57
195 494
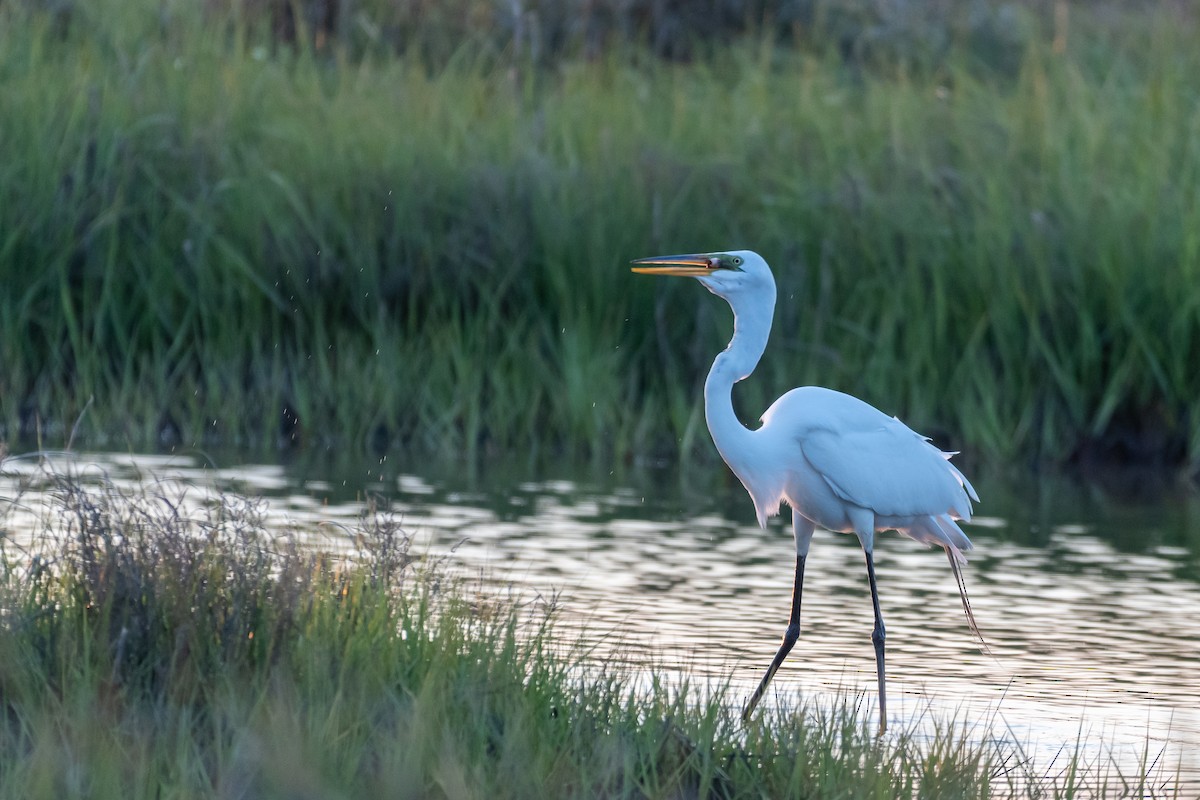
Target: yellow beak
689 265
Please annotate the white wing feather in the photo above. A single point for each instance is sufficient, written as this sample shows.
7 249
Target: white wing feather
890 469
869 459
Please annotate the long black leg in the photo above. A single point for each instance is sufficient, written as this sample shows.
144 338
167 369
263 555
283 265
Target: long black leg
878 636
785 647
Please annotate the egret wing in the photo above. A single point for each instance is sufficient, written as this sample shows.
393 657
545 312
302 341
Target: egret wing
889 469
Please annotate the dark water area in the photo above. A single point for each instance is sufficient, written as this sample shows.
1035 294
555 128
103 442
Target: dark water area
1087 591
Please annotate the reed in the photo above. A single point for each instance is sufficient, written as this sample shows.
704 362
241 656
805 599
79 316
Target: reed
218 235
161 641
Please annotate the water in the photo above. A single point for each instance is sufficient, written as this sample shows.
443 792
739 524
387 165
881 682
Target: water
1088 595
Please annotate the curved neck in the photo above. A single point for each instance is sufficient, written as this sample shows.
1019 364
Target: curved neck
751 328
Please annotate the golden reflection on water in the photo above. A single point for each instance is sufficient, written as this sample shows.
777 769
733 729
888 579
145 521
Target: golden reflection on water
1088 641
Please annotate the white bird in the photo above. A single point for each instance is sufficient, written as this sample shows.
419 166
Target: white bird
839 462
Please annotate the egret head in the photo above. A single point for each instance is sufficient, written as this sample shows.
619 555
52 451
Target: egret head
733 275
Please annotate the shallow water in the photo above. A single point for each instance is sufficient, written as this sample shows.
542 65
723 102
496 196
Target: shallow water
1088 594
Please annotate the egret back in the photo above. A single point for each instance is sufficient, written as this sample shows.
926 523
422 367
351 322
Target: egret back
872 461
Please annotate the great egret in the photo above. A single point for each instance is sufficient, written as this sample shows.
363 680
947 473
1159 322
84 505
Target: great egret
838 462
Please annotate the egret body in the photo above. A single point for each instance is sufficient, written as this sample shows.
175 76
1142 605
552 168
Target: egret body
840 463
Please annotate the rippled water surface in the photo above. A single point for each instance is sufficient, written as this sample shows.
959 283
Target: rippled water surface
1089 595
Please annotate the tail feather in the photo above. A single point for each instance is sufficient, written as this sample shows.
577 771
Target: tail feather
941 530
952 534
955 559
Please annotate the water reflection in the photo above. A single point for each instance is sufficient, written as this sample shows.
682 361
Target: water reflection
1087 596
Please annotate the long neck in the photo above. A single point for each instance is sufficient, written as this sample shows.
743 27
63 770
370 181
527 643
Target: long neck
751 328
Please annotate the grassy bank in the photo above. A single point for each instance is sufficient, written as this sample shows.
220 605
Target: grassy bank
219 235
162 644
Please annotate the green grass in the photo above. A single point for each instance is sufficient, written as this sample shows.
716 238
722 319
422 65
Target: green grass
164 643
220 237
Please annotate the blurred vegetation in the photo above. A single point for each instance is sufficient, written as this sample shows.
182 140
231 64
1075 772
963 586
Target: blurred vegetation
546 32
168 643
406 224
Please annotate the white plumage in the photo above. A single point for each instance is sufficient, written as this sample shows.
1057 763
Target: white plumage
840 463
